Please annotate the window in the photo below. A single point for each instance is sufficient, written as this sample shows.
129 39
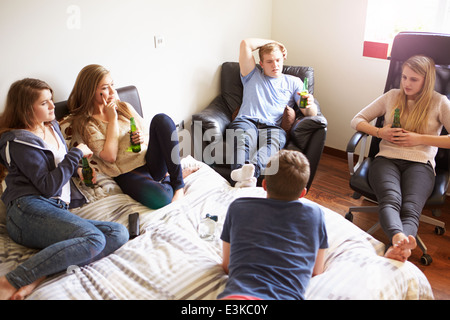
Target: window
386 18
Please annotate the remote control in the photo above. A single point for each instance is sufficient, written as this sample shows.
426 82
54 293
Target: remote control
133 225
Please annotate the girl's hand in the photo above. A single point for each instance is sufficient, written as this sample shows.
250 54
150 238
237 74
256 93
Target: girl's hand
137 137
408 139
94 175
86 151
399 136
110 108
389 134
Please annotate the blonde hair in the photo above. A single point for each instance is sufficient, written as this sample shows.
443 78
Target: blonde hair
292 176
19 112
81 99
268 49
417 120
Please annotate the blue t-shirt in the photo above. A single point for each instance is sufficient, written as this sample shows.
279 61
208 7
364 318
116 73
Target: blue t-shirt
273 247
265 98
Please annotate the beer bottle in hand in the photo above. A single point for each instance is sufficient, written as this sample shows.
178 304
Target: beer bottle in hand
87 173
135 147
396 123
303 93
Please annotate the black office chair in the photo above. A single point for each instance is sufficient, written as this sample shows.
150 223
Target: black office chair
406 44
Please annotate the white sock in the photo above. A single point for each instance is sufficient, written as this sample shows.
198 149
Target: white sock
244 173
249 183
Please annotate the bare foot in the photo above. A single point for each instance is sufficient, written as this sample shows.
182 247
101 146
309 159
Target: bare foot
401 248
179 194
395 253
6 289
408 243
23 292
188 171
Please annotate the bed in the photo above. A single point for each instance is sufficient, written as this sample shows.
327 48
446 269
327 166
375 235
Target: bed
169 261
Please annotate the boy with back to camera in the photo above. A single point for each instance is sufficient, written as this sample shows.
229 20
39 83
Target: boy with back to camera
272 246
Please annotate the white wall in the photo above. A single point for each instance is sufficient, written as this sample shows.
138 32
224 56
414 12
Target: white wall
328 35
40 39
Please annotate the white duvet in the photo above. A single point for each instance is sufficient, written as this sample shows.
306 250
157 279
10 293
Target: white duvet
170 261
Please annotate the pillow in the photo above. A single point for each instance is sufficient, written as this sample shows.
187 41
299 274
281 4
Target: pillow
235 113
288 119
65 124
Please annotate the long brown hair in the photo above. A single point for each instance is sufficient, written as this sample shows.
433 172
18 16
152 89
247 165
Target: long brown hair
19 111
81 99
418 119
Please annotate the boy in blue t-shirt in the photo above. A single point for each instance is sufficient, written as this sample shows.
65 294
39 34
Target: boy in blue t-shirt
272 246
266 93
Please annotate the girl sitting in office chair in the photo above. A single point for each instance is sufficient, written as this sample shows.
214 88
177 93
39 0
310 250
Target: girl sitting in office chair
402 173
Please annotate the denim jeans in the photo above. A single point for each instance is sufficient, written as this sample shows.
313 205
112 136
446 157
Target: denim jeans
63 238
402 189
149 184
254 142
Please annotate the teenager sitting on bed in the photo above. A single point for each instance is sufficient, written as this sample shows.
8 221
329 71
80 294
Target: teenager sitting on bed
153 176
272 246
39 191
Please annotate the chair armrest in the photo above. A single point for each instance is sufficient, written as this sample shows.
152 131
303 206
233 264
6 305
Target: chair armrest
304 128
208 126
215 116
351 147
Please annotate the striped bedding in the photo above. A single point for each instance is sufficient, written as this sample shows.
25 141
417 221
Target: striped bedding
170 261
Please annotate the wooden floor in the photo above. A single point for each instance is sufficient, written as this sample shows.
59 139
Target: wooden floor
331 189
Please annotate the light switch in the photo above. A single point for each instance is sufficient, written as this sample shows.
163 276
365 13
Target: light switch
160 42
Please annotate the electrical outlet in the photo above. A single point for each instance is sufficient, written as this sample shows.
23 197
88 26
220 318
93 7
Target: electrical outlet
160 42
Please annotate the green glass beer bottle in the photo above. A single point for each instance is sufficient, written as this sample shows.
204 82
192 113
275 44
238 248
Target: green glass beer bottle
303 93
396 123
135 147
87 173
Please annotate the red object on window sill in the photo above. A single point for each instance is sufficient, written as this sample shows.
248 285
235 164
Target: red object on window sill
375 49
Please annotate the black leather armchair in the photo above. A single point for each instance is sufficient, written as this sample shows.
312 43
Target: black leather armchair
208 127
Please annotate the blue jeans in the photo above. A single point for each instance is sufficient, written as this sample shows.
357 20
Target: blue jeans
254 142
149 184
402 189
63 238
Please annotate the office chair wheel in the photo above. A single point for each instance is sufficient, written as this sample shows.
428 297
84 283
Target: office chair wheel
439 231
426 259
349 216
356 195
